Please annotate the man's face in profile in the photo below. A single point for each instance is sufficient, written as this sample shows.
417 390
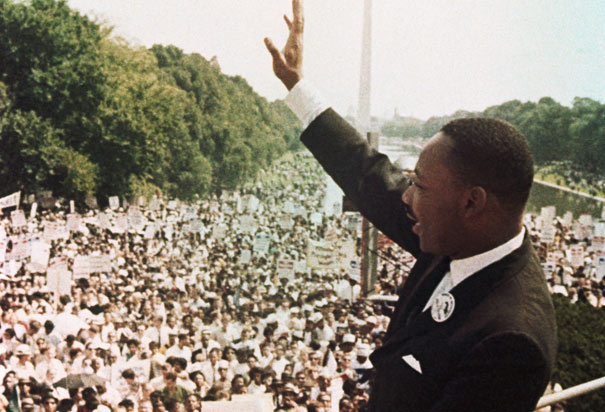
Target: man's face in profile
434 200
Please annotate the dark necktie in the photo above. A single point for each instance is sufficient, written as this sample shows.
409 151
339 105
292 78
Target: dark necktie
419 297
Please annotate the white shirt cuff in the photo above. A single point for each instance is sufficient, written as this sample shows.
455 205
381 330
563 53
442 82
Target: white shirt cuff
306 102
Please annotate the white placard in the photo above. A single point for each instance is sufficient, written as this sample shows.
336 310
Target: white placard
547 235
10 200
114 202
354 269
567 219
300 266
245 256
600 264
18 218
248 224
354 222
548 268
58 277
285 268
316 218
321 255
585 220
72 206
219 231
34 210
73 221
261 243
286 222
53 231
19 250
576 256
548 213
141 369
3 245
40 252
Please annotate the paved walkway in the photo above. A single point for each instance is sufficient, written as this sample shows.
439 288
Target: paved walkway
566 189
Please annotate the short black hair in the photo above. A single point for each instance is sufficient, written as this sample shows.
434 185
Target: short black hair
493 154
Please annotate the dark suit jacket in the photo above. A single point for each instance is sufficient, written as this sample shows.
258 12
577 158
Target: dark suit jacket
495 353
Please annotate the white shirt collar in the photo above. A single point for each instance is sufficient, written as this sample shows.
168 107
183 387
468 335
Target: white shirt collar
463 268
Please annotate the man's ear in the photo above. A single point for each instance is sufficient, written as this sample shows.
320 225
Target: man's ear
475 201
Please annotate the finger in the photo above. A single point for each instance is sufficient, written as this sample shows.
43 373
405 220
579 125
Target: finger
277 56
288 22
297 13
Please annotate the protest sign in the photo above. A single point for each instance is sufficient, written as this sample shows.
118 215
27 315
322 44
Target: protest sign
354 269
248 403
114 202
354 222
261 243
316 218
600 264
58 277
288 207
84 265
136 220
53 231
247 224
149 231
285 268
188 212
320 255
73 221
300 266
585 219
576 256
227 209
219 231
286 222
103 220
3 245
140 367
548 213
18 218
245 256
19 250
567 219
251 203
33 211
548 268
548 234
40 252
10 200
121 223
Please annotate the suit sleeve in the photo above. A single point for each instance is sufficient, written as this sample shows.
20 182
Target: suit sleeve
503 373
367 177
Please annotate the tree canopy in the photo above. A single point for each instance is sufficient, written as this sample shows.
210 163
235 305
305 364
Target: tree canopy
555 132
84 112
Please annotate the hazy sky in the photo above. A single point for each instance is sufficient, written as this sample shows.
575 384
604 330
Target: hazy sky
430 57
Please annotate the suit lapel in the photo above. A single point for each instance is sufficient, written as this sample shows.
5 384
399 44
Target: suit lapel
467 294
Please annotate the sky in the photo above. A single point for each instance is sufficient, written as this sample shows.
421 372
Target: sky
429 57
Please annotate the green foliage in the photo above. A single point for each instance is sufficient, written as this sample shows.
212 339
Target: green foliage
554 132
581 356
82 112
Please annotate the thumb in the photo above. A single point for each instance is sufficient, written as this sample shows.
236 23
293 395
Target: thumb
273 50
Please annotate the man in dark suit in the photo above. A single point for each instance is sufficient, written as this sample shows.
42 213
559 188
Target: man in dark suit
474 327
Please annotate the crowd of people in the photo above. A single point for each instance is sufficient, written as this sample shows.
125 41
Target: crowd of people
173 306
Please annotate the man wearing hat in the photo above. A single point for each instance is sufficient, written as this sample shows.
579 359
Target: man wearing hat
474 327
21 362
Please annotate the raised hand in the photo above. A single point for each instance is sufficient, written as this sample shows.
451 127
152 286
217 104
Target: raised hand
287 63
